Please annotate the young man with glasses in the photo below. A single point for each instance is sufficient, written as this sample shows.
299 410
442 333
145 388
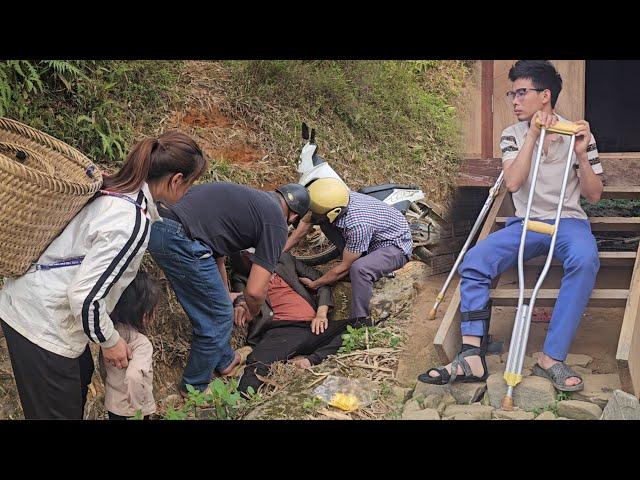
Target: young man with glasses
536 86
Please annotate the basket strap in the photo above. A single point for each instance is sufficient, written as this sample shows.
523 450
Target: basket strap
70 262
122 196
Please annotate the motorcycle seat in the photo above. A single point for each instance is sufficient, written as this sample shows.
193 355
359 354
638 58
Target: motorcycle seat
387 186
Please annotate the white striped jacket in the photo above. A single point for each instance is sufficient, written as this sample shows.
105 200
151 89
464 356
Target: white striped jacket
61 309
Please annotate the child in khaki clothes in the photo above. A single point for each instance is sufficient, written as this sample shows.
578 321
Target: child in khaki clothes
130 389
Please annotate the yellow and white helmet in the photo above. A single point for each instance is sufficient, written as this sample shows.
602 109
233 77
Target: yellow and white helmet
329 198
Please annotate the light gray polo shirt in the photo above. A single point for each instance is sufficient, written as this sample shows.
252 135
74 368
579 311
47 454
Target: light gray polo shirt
550 174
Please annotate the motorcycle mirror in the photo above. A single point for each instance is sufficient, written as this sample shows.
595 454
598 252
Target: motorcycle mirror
305 131
313 135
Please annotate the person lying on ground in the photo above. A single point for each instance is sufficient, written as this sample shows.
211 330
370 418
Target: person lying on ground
293 323
130 390
213 221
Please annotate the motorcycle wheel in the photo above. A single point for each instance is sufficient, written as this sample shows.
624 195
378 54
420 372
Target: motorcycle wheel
426 229
315 249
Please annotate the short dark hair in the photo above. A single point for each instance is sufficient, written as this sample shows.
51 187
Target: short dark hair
139 299
542 74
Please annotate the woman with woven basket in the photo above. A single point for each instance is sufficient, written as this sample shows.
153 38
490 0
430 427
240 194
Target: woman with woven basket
50 313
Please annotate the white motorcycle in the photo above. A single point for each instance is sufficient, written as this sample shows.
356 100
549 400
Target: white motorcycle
426 225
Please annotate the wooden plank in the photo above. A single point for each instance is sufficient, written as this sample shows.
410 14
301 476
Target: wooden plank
607 277
628 353
447 340
487 108
503 297
571 100
607 259
622 192
471 113
502 111
604 224
620 169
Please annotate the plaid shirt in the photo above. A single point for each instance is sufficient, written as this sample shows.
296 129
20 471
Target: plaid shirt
370 224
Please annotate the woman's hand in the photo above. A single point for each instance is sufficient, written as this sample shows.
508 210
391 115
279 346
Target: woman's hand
118 355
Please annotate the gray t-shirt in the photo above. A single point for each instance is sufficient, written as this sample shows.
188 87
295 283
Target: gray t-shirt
229 217
550 174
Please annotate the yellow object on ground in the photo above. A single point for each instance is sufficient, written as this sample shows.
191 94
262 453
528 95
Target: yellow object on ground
348 403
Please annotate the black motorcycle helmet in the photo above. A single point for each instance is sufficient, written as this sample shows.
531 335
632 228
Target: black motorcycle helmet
296 197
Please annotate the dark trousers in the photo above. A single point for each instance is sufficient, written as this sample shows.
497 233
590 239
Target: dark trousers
50 386
286 339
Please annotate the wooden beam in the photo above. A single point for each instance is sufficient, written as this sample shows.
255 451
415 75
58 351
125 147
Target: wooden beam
607 259
486 117
503 297
620 170
605 224
622 192
628 353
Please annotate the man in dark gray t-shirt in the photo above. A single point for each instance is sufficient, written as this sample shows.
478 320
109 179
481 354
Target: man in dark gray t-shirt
209 223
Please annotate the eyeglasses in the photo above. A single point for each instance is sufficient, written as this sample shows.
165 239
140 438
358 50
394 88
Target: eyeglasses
521 92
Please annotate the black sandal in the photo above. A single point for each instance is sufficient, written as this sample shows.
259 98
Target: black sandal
467 376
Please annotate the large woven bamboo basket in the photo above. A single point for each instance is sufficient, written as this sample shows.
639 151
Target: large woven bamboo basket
43 184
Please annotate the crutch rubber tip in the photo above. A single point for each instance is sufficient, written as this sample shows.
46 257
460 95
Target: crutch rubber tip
432 314
507 403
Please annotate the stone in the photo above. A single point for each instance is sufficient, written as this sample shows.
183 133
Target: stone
494 364
578 410
445 402
478 412
622 406
531 393
598 388
515 415
462 416
462 392
391 292
411 406
528 361
582 370
400 393
426 414
547 415
577 359
432 401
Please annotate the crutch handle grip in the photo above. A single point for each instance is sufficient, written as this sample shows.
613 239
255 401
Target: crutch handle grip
541 227
562 127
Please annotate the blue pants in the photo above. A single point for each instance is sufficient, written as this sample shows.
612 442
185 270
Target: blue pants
191 269
575 247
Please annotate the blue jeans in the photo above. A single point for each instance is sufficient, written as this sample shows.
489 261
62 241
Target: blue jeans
190 267
575 247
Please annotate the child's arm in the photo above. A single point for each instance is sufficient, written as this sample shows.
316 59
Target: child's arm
139 377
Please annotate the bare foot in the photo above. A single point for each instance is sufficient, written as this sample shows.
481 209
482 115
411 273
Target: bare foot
545 361
301 362
236 361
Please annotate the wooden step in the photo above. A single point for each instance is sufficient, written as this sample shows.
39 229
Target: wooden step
625 193
547 297
607 259
604 224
